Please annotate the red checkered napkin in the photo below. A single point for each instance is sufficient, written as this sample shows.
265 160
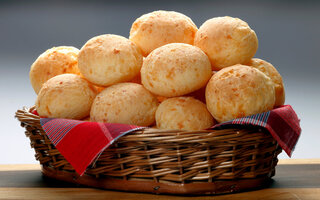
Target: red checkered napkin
283 124
81 142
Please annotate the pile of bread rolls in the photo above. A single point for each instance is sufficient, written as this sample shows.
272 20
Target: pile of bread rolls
169 74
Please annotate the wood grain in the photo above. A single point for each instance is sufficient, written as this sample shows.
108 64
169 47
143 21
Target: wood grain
19 167
86 193
295 179
298 161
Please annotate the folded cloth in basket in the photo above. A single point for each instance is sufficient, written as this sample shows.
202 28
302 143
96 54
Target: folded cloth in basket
80 142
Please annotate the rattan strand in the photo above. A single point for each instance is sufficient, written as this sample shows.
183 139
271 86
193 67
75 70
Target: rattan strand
169 155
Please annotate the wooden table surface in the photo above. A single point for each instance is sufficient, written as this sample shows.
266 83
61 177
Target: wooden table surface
294 179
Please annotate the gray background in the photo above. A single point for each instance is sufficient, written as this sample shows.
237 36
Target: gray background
288 33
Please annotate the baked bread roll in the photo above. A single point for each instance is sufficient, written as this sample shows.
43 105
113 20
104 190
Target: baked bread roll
108 59
99 88
183 113
200 94
239 91
175 69
54 61
65 96
227 41
161 99
268 69
137 79
158 28
125 103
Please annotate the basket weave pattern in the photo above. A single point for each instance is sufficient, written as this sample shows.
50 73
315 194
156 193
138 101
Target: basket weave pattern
169 156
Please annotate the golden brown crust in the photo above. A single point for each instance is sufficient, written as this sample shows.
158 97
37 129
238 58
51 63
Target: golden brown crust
54 61
65 96
268 69
239 91
136 79
109 59
175 69
158 28
183 113
125 103
227 41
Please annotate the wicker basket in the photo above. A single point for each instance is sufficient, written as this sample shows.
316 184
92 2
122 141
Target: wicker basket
164 161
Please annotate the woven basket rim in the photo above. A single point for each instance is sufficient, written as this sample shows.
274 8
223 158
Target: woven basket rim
167 157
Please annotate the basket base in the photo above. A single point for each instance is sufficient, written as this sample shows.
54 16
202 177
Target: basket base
216 187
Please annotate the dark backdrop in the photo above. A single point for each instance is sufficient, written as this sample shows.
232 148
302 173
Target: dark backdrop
288 33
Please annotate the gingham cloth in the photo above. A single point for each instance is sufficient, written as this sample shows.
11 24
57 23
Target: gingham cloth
80 142
282 123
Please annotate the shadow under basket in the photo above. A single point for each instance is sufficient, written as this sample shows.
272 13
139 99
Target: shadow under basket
167 161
